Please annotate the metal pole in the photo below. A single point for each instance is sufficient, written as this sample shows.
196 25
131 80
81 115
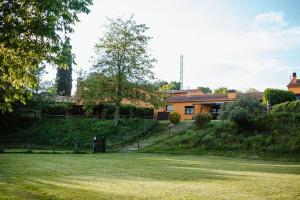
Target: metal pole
54 147
29 147
1 147
181 72
76 148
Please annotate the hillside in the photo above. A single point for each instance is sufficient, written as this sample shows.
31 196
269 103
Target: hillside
65 132
223 138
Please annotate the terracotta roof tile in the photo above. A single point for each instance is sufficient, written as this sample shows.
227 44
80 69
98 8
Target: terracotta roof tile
210 97
291 84
182 91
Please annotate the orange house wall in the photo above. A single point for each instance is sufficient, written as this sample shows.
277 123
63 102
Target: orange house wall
180 108
294 89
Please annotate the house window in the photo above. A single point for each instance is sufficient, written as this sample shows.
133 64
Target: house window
189 110
169 108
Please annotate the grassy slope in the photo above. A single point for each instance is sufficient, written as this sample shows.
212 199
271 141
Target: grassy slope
145 176
67 131
215 139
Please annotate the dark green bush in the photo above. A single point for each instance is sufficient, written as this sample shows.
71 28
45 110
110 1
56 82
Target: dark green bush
290 106
242 111
202 119
107 110
175 117
280 122
58 108
276 96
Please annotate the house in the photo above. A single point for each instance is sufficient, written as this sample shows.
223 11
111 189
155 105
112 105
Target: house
294 85
191 102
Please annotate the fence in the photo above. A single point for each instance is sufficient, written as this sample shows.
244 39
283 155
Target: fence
40 115
57 145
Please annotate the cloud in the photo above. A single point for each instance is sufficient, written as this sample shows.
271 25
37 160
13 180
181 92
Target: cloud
272 32
270 17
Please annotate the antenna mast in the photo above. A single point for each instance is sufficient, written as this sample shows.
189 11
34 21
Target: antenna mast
181 72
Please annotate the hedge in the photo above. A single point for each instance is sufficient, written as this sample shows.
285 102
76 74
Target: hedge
276 96
293 106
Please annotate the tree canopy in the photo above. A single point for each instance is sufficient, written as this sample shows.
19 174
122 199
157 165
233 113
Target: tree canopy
205 90
173 85
32 34
221 90
64 75
123 65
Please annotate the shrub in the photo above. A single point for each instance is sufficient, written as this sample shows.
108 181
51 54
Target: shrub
292 106
107 110
276 96
242 111
175 117
202 119
281 122
58 108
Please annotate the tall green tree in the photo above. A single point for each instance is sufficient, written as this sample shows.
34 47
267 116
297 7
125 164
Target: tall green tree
64 75
32 33
123 59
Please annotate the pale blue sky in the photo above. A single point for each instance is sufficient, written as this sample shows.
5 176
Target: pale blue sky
233 43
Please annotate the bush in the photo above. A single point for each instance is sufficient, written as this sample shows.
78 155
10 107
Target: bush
58 108
202 119
276 96
278 122
107 110
175 117
293 106
242 111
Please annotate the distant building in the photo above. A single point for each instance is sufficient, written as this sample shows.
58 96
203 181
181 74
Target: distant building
294 85
191 102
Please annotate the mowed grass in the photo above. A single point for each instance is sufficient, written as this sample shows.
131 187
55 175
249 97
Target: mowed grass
145 176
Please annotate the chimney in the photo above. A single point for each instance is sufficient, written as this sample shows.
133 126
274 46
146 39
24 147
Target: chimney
294 78
231 94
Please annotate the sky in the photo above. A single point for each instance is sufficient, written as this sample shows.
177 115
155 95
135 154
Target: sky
237 44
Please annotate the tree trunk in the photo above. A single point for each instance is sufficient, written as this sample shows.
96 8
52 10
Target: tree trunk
117 114
117 104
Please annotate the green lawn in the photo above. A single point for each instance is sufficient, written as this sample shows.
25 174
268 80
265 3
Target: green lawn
145 176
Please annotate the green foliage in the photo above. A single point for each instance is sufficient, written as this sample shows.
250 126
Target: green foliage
107 110
251 90
64 75
221 90
275 135
123 59
276 96
293 106
242 111
202 119
66 131
174 85
57 108
205 90
175 117
32 33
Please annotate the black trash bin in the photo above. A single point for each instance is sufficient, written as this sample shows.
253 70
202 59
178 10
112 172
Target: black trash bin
99 144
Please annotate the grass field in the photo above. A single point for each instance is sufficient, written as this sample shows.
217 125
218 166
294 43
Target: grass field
145 176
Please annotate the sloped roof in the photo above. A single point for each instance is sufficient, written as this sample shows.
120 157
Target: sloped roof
210 97
291 84
197 98
182 91
257 95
